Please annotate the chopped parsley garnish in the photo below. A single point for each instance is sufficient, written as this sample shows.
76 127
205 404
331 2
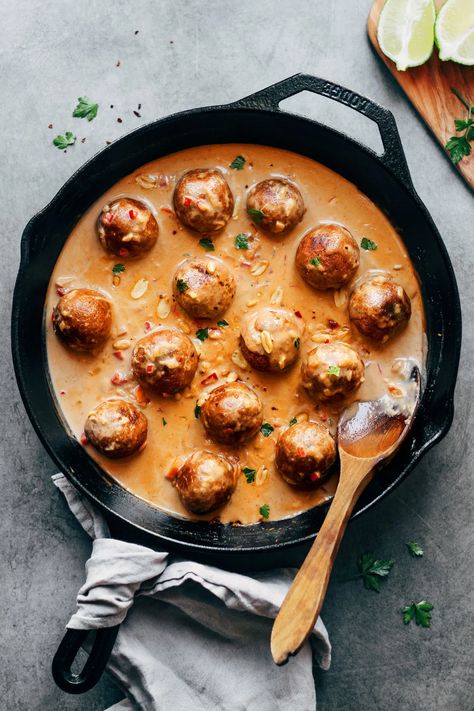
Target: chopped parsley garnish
415 550
264 511
293 421
315 261
207 243
372 571
63 142
368 245
118 268
296 343
164 422
266 429
256 215
222 323
202 333
460 146
182 286
334 370
418 611
238 163
241 241
197 412
249 474
85 109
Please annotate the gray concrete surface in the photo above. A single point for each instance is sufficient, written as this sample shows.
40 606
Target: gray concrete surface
188 54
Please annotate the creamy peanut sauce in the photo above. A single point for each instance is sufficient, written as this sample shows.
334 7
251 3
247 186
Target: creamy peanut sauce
265 275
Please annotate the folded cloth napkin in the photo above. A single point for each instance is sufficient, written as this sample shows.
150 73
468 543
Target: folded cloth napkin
192 637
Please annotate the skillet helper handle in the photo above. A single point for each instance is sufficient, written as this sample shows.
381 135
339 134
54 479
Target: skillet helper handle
393 157
93 668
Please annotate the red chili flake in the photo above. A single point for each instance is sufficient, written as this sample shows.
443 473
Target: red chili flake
139 106
188 201
119 120
315 476
298 314
172 474
50 125
150 368
108 143
332 324
84 439
123 252
109 217
118 379
210 379
300 452
118 63
136 32
133 214
62 392
83 140
119 355
60 291
137 114
147 326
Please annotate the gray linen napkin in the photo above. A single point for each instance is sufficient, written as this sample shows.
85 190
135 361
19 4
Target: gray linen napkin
193 637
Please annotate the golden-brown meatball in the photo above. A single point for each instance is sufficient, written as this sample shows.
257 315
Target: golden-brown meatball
126 227
116 428
205 481
203 200
304 454
165 361
332 370
232 413
270 338
204 287
276 205
379 307
82 318
327 257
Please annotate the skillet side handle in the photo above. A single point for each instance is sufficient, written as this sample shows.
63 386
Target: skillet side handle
393 157
93 668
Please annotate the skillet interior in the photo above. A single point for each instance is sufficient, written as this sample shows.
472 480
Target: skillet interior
254 120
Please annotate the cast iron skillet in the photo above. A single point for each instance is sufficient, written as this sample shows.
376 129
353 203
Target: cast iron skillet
254 119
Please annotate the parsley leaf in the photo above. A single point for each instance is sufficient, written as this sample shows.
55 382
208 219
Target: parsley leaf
256 215
266 429
222 323
207 243
249 474
264 511
238 163
118 268
419 611
164 422
241 241
85 109
197 411
460 146
372 570
293 421
63 142
202 333
182 286
415 550
315 261
334 370
296 343
368 245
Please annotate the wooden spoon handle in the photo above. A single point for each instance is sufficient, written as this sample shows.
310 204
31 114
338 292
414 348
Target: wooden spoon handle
303 602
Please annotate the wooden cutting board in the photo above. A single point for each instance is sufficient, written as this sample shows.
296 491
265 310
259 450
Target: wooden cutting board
429 89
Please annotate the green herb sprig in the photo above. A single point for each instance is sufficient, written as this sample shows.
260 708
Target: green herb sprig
418 611
459 147
85 109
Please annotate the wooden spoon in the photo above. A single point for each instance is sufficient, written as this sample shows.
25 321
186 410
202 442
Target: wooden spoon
368 432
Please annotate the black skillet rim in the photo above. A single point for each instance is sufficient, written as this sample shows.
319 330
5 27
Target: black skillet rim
220 538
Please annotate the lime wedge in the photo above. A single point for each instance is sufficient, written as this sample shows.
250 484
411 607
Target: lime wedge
455 31
406 31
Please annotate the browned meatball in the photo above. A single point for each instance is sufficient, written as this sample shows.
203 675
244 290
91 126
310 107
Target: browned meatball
204 287
232 413
127 228
203 200
276 205
205 481
327 257
304 454
270 339
82 318
116 428
165 361
379 307
332 370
